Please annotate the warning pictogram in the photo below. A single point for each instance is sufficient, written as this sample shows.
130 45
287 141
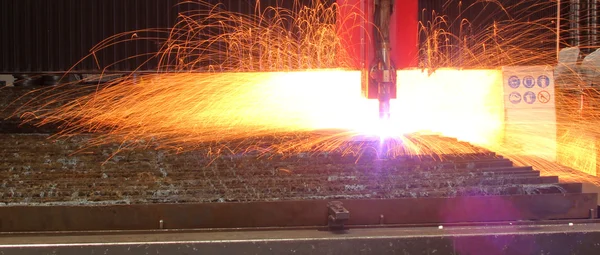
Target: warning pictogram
514 82
544 96
528 82
543 81
515 97
529 97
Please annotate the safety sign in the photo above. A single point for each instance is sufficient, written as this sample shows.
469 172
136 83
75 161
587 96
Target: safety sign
529 97
544 97
543 81
515 97
530 106
528 81
514 82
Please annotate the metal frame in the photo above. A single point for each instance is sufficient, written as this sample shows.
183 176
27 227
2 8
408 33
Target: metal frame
564 238
306 213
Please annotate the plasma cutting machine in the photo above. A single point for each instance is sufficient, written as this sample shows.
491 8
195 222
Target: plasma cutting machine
309 203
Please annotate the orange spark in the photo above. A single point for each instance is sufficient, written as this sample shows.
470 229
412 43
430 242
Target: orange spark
186 109
182 110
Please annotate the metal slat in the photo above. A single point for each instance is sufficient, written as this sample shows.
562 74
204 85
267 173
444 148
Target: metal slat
296 213
5 33
24 56
38 10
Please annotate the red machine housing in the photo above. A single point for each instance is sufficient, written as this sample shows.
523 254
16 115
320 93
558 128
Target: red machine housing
355 30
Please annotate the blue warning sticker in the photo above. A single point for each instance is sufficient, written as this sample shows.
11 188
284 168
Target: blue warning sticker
528 81
543 81
514 82
514 97
529 97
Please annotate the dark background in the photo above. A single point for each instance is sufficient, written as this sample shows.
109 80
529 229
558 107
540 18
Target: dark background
51 36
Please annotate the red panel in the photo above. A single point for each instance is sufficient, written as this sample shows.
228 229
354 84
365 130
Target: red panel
354 19
404 32
351 21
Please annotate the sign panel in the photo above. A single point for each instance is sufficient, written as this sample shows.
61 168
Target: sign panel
530 114
533 83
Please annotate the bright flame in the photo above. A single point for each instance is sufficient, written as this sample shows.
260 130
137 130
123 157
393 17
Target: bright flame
190 108
465 104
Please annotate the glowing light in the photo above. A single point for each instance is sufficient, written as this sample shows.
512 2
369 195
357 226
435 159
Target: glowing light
270 88
182 110
466 104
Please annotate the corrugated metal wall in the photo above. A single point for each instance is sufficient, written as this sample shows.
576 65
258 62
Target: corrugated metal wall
52 35
468 20
39 36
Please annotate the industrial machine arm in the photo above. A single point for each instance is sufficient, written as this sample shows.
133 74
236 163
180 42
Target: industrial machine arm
382 71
